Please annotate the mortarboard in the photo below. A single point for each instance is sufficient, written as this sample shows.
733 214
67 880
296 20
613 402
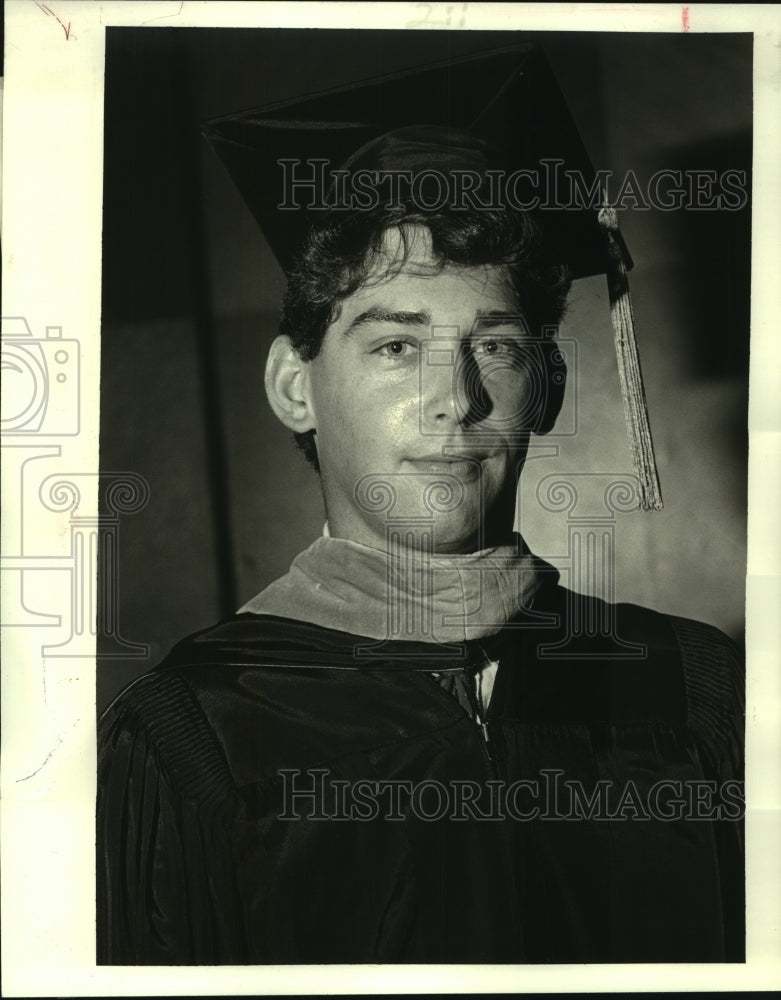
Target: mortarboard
498 115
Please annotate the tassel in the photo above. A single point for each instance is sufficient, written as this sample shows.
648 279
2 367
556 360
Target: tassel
632 391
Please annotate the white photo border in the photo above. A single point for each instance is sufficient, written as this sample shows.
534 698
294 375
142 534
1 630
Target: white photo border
51 241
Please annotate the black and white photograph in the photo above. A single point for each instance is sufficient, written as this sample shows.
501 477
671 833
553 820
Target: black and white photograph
411 738
414 562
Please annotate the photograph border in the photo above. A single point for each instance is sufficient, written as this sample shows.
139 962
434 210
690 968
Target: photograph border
51 241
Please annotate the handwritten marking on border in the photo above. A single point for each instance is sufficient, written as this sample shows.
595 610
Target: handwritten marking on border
65 27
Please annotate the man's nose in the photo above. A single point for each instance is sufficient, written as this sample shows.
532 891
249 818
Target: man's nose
451 391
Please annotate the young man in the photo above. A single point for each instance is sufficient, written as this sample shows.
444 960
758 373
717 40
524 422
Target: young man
417 746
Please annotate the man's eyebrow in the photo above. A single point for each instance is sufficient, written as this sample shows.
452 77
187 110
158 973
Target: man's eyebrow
498 317
400 317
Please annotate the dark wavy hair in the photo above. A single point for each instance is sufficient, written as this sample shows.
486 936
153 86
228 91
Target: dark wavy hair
341 249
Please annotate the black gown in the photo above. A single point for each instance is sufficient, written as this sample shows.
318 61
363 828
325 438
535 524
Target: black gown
205 856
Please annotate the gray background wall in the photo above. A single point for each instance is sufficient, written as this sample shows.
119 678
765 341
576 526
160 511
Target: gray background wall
190 305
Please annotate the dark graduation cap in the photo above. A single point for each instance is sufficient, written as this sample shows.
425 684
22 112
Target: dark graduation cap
500 111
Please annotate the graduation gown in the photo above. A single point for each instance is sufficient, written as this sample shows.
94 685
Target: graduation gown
273 793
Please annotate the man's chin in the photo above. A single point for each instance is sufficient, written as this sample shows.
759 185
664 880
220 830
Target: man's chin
444 535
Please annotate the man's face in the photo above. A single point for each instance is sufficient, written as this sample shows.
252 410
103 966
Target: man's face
421 399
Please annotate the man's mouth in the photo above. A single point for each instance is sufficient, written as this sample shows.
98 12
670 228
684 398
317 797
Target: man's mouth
462 467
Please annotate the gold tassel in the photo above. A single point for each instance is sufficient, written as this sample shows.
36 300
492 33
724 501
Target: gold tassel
630 376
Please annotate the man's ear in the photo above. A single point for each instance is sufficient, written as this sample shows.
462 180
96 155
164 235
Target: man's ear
287 386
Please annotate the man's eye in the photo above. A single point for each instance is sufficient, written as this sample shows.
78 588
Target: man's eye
395 349
495 346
